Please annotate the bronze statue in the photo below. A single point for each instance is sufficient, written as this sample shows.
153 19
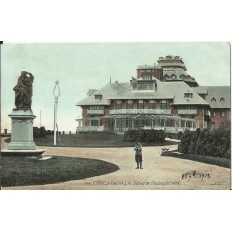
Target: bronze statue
23 91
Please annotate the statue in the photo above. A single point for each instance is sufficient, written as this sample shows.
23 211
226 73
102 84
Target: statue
23 91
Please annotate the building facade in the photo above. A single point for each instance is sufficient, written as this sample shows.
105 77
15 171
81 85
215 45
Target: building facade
163 96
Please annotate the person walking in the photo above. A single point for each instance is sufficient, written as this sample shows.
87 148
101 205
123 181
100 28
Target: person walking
138 155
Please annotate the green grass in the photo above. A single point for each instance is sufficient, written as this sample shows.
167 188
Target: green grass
94 139
22 171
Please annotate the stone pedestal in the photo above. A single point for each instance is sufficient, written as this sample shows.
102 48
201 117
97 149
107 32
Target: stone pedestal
22 130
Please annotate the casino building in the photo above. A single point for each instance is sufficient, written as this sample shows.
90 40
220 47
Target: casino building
163 96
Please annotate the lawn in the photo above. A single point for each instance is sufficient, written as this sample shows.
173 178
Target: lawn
94 139
23 171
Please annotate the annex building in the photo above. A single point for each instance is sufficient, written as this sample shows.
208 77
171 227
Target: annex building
162 96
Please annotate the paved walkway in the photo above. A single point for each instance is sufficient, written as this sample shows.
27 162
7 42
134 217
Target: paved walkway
158 173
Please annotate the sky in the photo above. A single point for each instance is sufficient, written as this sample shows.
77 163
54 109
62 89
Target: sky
81 66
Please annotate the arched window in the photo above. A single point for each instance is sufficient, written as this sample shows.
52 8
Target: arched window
182 76
213 100
222 99
173 77
166 76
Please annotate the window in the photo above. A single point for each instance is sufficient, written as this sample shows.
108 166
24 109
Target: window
213 100
140 104
163 104
188 124
142 85
188 95
222 99
221 125
222 114
182 76
152 104
96 107
99 97
173 77
129 104
146 77
212 125
213 113
94 122
118 105
166 76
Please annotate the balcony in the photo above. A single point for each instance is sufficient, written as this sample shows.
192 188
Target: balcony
187 111
96 112
140 111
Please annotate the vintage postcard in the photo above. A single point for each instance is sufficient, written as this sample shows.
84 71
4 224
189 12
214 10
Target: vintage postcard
115 116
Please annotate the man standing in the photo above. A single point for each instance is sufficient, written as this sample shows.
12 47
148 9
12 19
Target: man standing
138 155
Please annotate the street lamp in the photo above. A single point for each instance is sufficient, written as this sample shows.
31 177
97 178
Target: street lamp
56 94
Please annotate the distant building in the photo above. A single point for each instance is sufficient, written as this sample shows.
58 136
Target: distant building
163 96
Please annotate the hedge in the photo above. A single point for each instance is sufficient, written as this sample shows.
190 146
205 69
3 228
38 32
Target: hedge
214 143
147 136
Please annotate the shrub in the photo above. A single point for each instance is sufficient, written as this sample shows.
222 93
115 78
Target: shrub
42 132
147 136
214 143
39 132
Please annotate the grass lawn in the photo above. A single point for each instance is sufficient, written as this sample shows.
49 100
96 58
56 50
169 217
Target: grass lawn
101 139
22 171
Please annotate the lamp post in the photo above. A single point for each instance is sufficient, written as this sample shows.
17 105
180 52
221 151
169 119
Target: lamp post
56 94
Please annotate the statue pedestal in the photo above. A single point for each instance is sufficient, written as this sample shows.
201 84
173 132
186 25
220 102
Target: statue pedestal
22 130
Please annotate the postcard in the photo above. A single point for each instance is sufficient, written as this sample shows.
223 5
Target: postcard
115 116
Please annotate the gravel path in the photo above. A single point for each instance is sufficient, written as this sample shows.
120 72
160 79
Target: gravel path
159 172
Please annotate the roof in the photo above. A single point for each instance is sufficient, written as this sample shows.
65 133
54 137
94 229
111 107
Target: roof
165 90
179 73
201 89
179 88
216 92
91 91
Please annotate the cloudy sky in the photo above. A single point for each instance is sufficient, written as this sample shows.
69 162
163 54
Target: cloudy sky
79 67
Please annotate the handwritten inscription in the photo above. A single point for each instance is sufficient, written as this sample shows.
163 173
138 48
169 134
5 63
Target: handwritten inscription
195 174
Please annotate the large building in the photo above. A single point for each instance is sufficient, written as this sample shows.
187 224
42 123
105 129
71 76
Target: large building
163 96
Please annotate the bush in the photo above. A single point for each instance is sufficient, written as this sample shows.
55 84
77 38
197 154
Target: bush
39 132
214 143
42 132
147 136
36 132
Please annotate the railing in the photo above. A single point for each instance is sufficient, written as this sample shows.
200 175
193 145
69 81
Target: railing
95 111
140 111
90 128
187 111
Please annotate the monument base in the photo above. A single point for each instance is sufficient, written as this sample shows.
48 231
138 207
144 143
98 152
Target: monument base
22 153
22 130
22 146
